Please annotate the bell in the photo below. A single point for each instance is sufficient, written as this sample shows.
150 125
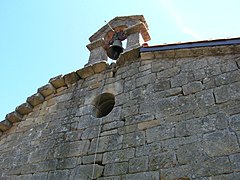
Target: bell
115 49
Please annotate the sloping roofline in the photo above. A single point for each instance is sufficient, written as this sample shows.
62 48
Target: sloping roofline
195 44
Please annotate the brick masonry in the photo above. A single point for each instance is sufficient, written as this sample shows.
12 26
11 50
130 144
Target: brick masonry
175 117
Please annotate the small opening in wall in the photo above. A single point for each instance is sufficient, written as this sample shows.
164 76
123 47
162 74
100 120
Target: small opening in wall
103 104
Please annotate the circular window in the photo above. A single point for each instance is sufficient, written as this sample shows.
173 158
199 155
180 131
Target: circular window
103 104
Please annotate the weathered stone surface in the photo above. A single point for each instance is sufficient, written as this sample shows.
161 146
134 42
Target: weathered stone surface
235 122
181 79
67 163
220 143
213 167
177 172
39 176
168 72
187 152
160 65
57 81
99 67
46 90
14 117
145 80
85 72
35 99
24 108
118 156
221 94
61 174
5 125
159 133
192 87
91 158
139 164
153 175
162 160
86 172
139 118
107 143
71 78
235 161
133 139
112 125
147 55
148 124
71 149
149 149
116 169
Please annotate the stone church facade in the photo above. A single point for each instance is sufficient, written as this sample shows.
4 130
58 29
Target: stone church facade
160 112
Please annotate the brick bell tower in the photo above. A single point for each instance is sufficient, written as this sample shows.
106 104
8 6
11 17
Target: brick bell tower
107 41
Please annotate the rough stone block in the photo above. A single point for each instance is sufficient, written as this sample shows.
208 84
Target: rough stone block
60 174
160 65
147 55
24 108
227 78
189 153
112 125
161 85
90 159
138 118
85 72
39 176
71 78
85 172
46 90
114 88
5 125
106 143
118 156
205 98
162 160
168 54
133 139
235 122
213 167
116 169
148 124
153 175
99 66
220 143
67 163
90 133
71 149
181 79
149 149
14 117
222 94
131 54
35 99
176 172
57 81
159 133
235 161
192 87
150 78
168 72
139 164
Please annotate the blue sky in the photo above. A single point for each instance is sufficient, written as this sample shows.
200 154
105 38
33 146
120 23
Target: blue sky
40 39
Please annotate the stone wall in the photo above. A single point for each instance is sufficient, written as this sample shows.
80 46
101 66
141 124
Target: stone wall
174 117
